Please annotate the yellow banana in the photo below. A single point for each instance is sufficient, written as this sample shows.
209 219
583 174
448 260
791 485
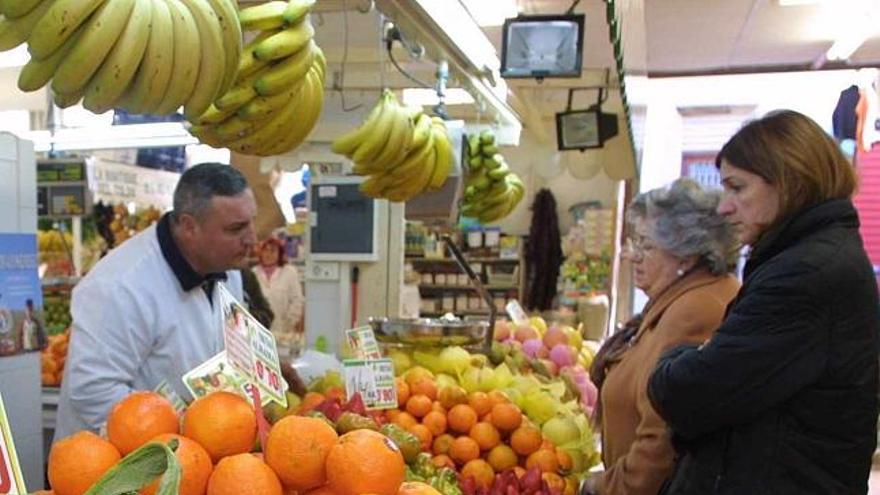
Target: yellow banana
231 31
232 129
297 10
285 42
375 140
248 64
60 21
36 73
313 103
263 17
101 33
152 79
214 115
262 107
212 68
348 143
406 188
287 71
119 68
421 130
18 8
186 59
373 186
413 164
15 31
399 139
67 100
445 157
239 94
206 136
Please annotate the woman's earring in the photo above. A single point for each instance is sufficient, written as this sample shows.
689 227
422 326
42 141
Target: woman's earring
680 272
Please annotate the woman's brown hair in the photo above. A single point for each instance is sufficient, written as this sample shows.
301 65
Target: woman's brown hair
791 152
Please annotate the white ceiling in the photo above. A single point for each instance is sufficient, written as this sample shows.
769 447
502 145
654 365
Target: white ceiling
734 36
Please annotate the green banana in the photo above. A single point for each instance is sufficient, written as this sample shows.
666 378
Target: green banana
58 23
101 33
285 42
487 137
499 173
296 10
15 31
263 17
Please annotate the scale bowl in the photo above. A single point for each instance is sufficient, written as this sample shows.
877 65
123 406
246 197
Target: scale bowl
430 331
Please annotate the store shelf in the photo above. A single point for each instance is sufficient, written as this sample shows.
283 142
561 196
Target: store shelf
468 287
465 312
422 259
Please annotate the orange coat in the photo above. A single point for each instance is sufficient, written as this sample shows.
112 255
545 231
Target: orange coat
636 449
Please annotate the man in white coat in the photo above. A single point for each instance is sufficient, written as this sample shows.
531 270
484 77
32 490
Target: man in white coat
148 311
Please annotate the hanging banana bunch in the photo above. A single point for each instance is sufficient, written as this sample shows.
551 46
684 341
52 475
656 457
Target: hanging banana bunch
402 150
492 191
278 90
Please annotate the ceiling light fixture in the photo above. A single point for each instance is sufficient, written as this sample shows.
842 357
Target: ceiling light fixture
862 21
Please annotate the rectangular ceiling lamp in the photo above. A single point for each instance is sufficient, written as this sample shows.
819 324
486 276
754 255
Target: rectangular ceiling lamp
542 46
584 129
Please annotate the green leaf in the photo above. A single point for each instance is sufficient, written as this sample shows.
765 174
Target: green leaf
139 468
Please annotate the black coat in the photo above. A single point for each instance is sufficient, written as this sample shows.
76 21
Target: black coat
784 398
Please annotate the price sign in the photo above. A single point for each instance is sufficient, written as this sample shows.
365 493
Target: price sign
516 312
11 480
251 348
362 342
373 379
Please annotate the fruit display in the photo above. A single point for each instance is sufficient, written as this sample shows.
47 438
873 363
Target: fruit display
55 250
52 359
402 150
144 56
217 453
116 224
278 90
492 191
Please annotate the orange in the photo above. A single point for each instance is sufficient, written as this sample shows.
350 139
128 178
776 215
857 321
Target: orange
498 397
557 484
195 465
502 457
78 461
442 444
391 414
544 460
424 386
405 420
480 471
310 401
487 418
548 445
564 459
442 461
436 422
402 391
461 418
418 405
423 434
485 435
243 474
437 406
452 396
321 490
506 417
365 461
137 418
415 373
417 488
526 439
480 402
464 449
223 423
297 450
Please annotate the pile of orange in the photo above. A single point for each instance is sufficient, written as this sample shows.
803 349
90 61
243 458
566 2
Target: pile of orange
479 433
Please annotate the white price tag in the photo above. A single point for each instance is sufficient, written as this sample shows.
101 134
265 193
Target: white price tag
250 348
373 379
516 312
362 342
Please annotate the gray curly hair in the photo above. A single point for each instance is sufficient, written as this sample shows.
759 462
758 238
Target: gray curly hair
686 223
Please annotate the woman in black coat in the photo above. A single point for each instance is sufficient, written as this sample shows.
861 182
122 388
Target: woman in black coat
783 398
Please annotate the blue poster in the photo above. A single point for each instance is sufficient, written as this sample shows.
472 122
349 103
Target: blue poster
21 298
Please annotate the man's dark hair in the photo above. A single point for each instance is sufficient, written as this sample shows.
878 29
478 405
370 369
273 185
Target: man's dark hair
201 183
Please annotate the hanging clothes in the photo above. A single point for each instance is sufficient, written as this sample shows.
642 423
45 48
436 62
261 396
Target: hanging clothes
543 252
844 120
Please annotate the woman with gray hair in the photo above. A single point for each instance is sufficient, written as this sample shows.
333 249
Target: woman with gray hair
682 253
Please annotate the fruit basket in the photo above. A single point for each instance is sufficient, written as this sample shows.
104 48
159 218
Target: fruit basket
430 331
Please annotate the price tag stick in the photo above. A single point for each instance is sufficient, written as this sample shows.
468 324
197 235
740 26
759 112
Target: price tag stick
262 424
